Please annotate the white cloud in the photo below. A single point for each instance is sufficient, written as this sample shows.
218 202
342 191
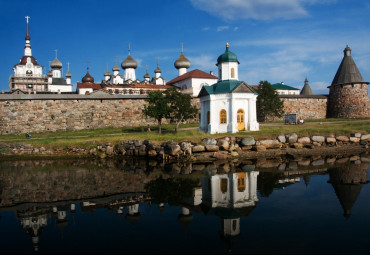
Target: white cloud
236 28
222 28
203 62
253 9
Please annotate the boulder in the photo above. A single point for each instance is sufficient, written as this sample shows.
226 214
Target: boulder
292 138
304 140
219 155
171 148
354 139
234 154
342 138
212 148
246 148
223 144
247 141
209 141
270 144
318 138
298 145
198 148
142 150
281 138
260 148
331 140
365 137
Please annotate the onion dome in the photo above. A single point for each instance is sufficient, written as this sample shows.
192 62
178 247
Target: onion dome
129 62
56 64
68 75
228 56
182 62
146 75
88 78
115 68
157 70
107 73
50 73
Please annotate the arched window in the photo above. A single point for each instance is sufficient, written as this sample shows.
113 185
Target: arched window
223 119
232 72
241 182
223 185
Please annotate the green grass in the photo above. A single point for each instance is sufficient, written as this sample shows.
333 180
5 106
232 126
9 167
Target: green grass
90 138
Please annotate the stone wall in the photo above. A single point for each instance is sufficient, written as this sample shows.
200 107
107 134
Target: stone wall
307 107
349 101
47 113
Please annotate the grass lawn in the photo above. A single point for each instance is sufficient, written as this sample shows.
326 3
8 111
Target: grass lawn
188 132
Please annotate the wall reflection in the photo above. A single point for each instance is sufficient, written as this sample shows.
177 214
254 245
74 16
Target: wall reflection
222 189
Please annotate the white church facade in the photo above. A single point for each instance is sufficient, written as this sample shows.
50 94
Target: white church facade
229 106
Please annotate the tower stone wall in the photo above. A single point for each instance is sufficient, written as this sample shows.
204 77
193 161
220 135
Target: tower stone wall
349 101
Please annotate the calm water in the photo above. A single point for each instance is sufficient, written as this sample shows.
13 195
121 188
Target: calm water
304 206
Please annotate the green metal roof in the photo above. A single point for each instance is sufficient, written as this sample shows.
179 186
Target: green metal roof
225 86
283 87
228 56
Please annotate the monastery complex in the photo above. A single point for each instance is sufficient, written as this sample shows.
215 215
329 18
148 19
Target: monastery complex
38 102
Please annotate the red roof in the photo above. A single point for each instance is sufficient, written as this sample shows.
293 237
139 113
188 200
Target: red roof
196 73
88 85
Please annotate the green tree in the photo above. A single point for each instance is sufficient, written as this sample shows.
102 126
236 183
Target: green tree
181 107
268 101
158 107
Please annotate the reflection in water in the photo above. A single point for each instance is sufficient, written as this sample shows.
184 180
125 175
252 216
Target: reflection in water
228 192
347 183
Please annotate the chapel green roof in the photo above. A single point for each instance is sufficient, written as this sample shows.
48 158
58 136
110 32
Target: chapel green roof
281 86
225 86
228 56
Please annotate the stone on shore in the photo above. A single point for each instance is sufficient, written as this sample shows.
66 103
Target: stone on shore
247 141
198 148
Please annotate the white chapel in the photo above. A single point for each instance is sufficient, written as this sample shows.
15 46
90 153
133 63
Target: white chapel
229 106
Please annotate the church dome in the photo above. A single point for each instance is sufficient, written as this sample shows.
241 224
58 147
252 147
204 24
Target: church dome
68 75
228 56
56 64
182 62
88 78
115 68
157 70
50 74
107 73
146 75
129 62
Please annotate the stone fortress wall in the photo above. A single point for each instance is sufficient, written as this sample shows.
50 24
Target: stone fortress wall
48 113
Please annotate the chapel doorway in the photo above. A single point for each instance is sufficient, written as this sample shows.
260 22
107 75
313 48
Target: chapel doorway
240 119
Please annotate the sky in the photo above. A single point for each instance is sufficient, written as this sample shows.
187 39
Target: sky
278 41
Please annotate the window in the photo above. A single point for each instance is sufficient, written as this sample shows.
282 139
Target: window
241 182
232 72
223 185
223 119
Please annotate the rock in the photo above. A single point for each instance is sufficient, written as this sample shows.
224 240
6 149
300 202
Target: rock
152 153
365 137
246 148
292 165
281 138
171 148
247 141
212 148
219 155
354 158
260 148
186 147
246 168
209 141
304 140
270 144
198 148
318 138
318 162
234 154
297 145
142 150
354 139
35 150
292 138
331 140
282 167
109 150
330 160
223 144
304 162
138 143
342 138
316 144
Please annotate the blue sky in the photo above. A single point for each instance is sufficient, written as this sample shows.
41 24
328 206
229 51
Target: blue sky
283 40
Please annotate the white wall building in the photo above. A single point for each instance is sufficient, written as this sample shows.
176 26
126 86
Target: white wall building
283 89
229 105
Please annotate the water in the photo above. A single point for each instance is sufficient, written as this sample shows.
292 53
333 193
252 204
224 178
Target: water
303 206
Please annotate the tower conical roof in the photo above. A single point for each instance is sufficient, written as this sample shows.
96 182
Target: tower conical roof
306 90
347 72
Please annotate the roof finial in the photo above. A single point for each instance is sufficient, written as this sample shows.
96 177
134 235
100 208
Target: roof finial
87 64
146 68
27 31
129 49
157 61
227 45
49 65
107 66
182 48
56 53
68 65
